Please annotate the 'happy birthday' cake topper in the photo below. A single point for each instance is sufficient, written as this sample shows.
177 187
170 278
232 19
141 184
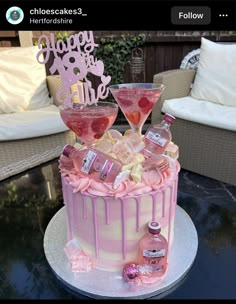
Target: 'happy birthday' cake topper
74 60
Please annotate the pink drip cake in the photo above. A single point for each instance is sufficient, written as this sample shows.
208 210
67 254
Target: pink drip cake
108 223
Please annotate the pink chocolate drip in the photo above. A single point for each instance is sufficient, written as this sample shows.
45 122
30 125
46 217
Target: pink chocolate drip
175 194
107 206
75 211
66 202
170 210
163 203
138 199
84 206
95 226
154 203
123 216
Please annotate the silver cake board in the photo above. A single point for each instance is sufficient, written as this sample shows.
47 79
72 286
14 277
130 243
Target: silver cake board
100 284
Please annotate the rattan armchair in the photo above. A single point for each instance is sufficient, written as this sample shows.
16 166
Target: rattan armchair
205 150
17 156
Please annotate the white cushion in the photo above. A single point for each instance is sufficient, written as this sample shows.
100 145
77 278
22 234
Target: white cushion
202 111
22 80
31 123
215 79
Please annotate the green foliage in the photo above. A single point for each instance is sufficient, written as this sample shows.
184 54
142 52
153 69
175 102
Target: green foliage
62 35
59 36
115 52
19 198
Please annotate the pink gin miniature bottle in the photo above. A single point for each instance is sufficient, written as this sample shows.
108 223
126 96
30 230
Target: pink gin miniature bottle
158 136
153 250
93 163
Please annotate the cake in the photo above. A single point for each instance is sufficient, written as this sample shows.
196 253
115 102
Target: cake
108 223
105 220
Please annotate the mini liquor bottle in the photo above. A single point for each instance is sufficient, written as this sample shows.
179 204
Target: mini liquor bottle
93 163
158 136
153 250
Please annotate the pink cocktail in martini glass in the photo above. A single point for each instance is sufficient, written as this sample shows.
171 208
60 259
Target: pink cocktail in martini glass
89 123
136 101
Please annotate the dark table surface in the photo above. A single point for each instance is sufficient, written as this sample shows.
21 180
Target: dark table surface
28 202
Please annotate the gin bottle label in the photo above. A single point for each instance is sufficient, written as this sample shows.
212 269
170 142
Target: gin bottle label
88 161
153 253
156 138
106 169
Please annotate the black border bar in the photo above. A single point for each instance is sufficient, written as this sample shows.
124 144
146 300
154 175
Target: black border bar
118 15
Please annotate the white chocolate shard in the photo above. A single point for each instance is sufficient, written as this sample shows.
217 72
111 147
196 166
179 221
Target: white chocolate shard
121 177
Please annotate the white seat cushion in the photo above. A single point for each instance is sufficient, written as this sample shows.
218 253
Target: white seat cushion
22 80
32 123
216 74
202 111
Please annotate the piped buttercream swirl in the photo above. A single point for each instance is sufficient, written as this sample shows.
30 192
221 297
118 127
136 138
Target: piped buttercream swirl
87 185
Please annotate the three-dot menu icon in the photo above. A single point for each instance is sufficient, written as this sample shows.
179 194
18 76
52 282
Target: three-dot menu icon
223 15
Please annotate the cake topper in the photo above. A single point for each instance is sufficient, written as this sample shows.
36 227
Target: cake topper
74 60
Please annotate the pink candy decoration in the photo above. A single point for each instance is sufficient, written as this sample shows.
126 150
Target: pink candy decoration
79 261
75 64
82 263
137 274
72 249
130 272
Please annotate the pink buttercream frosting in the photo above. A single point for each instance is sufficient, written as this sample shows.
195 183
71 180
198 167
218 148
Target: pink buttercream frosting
86 185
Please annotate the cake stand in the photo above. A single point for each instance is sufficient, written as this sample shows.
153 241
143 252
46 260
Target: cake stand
100 284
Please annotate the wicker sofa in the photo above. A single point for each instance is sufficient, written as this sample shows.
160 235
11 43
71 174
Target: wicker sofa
206 150
18 155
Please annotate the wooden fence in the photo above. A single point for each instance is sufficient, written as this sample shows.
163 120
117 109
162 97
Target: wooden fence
163 50
166 50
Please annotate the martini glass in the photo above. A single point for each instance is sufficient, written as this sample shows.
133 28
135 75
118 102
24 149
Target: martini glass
136 101
90 122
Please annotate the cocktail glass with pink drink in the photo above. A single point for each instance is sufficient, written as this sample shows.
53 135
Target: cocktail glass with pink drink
136 101
90 122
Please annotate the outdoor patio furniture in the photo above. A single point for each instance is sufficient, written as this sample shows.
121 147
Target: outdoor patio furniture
31 129
205 128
